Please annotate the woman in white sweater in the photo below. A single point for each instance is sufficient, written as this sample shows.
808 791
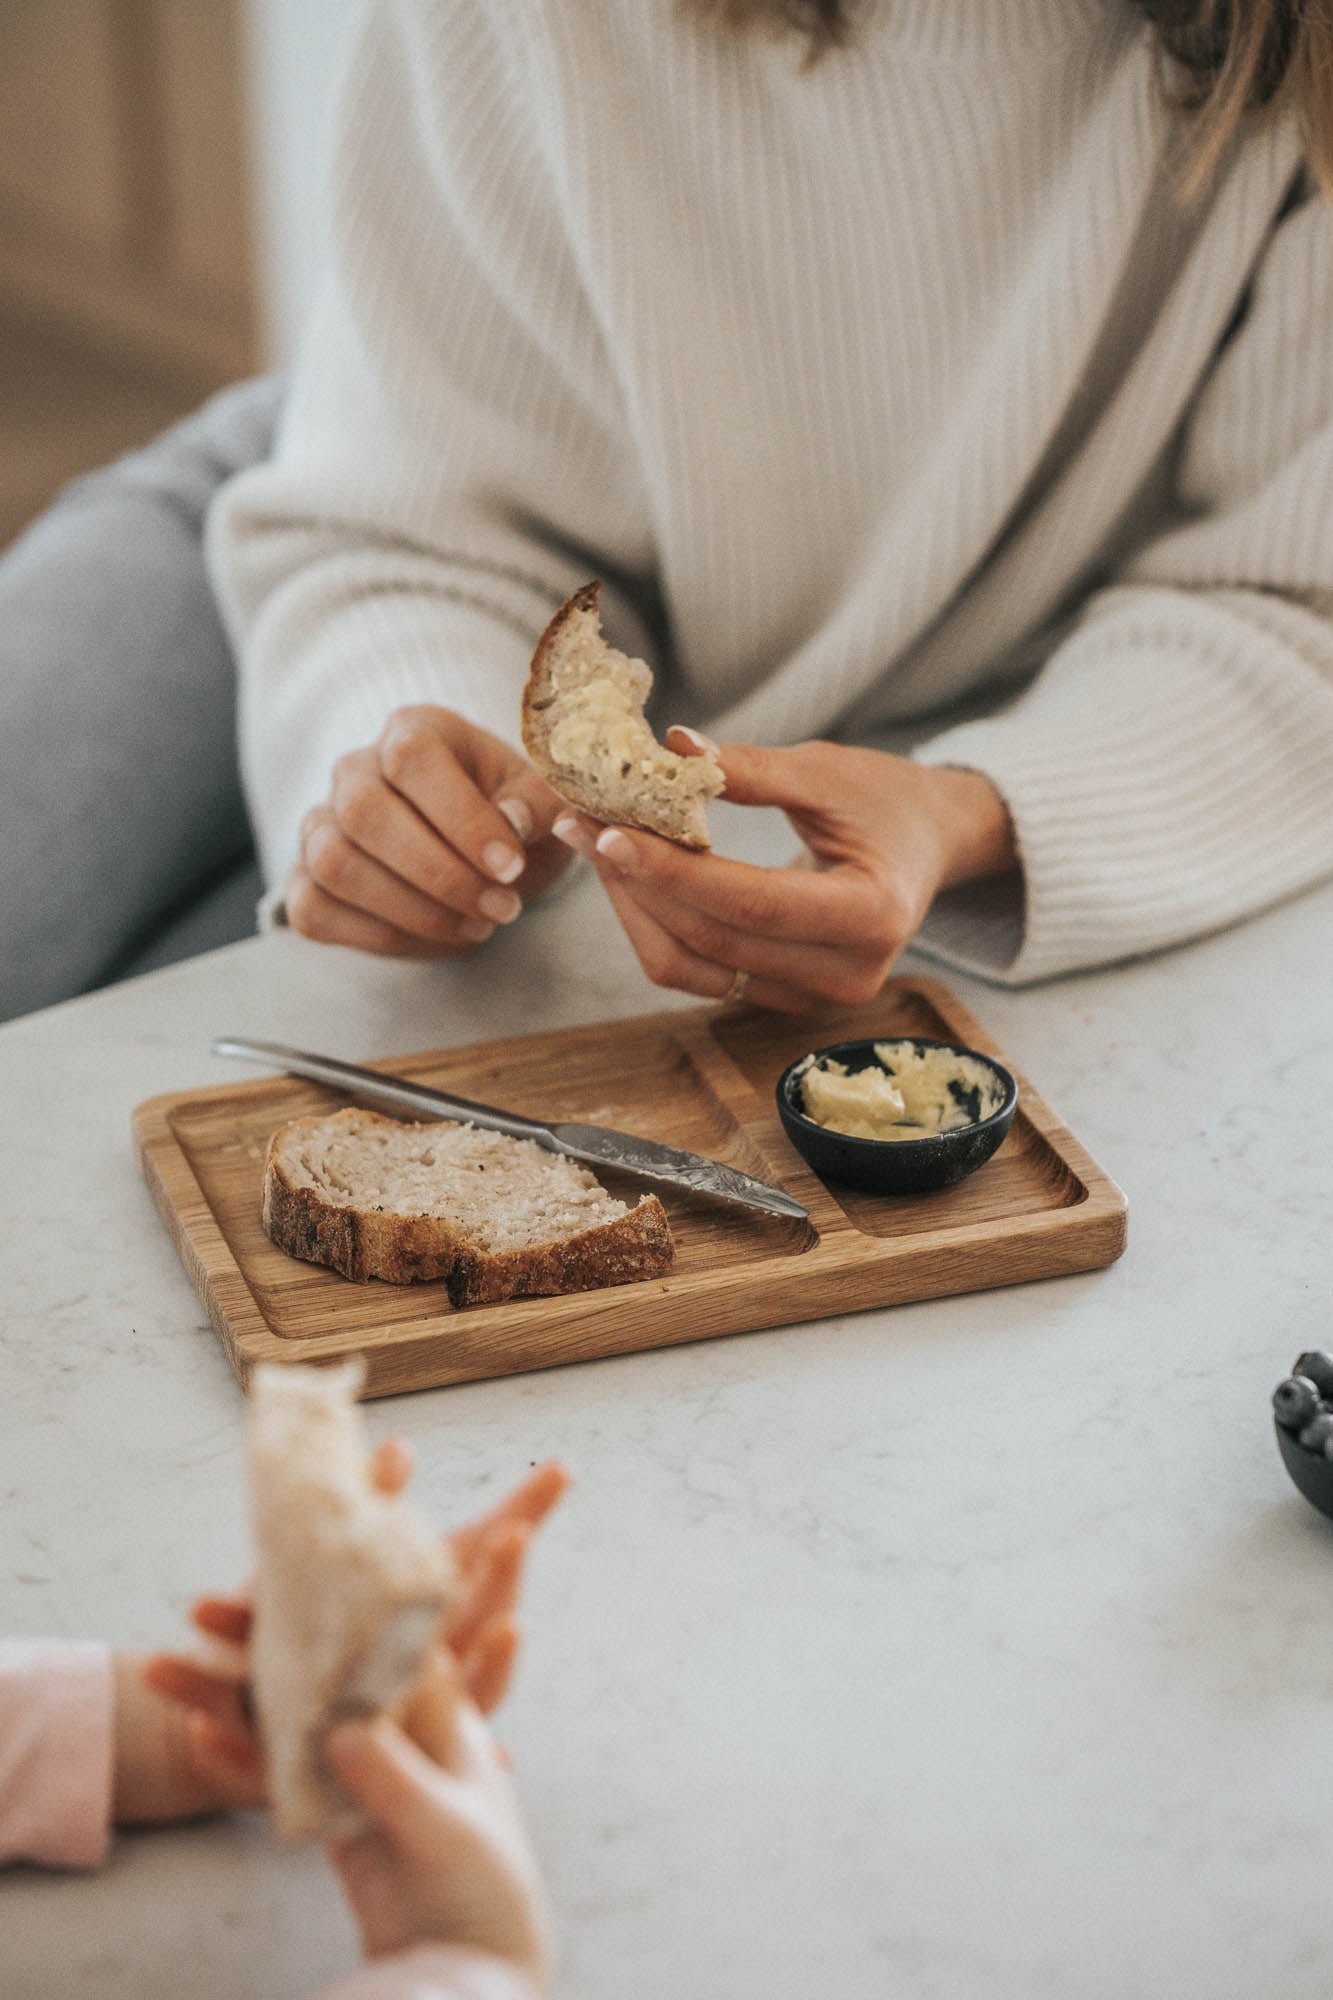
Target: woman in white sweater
926 379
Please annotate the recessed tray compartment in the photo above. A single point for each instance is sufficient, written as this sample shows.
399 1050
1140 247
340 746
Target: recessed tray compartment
699 1078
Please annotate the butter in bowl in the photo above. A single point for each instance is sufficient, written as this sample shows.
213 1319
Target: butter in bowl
904 1115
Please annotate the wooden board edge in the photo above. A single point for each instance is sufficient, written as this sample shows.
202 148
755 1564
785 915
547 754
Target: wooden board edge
150 1120
1087 1170
666 1020
669 1021
1057 1242
591 1325
1079 1236
152 1117
213 1274
400 1368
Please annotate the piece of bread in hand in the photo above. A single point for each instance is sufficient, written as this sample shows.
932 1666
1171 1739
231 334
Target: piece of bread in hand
350 1588
494 1217
584 729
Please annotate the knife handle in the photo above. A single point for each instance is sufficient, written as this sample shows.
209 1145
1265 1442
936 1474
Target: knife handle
394 1091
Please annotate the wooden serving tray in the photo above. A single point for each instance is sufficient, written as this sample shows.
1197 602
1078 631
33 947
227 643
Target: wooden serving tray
702 1079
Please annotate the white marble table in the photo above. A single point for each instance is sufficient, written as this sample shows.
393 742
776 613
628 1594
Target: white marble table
977 1650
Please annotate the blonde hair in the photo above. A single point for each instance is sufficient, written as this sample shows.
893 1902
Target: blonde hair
1237 57
1227 59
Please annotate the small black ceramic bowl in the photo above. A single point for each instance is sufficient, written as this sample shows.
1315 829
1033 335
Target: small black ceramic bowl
897 1166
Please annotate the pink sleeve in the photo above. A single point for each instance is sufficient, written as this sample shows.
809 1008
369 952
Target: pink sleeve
56 1715
435 1972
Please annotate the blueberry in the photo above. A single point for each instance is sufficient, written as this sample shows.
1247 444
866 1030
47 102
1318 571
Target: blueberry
1318 1431
1318 1368
1295 1402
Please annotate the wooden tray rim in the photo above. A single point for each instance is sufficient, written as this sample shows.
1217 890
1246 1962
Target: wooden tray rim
247 1336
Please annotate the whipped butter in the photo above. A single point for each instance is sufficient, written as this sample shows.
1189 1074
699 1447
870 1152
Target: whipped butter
598 727
907 1094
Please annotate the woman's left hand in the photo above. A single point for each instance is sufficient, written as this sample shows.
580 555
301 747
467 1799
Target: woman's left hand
882 836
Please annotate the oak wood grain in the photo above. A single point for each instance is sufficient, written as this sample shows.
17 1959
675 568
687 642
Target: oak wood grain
702 1079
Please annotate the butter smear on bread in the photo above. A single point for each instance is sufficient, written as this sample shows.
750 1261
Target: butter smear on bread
584 728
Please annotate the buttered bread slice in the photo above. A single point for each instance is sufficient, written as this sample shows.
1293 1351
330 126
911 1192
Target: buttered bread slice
494 1217
584 728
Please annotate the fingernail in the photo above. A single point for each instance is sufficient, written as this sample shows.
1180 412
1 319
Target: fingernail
573 835
500 905
519 815
473 931
502 862
616 848
694 736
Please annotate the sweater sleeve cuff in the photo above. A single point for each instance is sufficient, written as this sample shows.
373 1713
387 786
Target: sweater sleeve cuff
977 927
1168 773
436 1972
55 1752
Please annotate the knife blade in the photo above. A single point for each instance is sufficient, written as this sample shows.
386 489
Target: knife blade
593 1145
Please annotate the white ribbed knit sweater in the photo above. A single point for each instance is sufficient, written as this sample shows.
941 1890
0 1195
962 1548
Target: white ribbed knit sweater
871 389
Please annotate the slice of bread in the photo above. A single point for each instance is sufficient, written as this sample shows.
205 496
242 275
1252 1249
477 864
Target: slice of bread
584 729
350 1588
494 1217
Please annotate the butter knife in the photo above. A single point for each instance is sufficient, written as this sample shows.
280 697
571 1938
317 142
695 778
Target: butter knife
594 1145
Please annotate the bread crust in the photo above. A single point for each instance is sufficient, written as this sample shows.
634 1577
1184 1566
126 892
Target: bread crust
363 1243
530 723
560 777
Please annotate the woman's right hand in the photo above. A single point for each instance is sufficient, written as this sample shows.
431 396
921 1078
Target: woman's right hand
446 1859
427 840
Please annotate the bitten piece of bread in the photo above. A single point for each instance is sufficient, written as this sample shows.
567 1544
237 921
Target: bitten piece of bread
584 729
350 1588
494 1217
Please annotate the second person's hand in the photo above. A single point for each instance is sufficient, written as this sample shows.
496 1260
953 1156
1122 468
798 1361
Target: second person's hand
428 838
185 1734
446 1859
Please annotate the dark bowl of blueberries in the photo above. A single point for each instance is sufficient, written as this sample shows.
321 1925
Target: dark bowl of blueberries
1303 1416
